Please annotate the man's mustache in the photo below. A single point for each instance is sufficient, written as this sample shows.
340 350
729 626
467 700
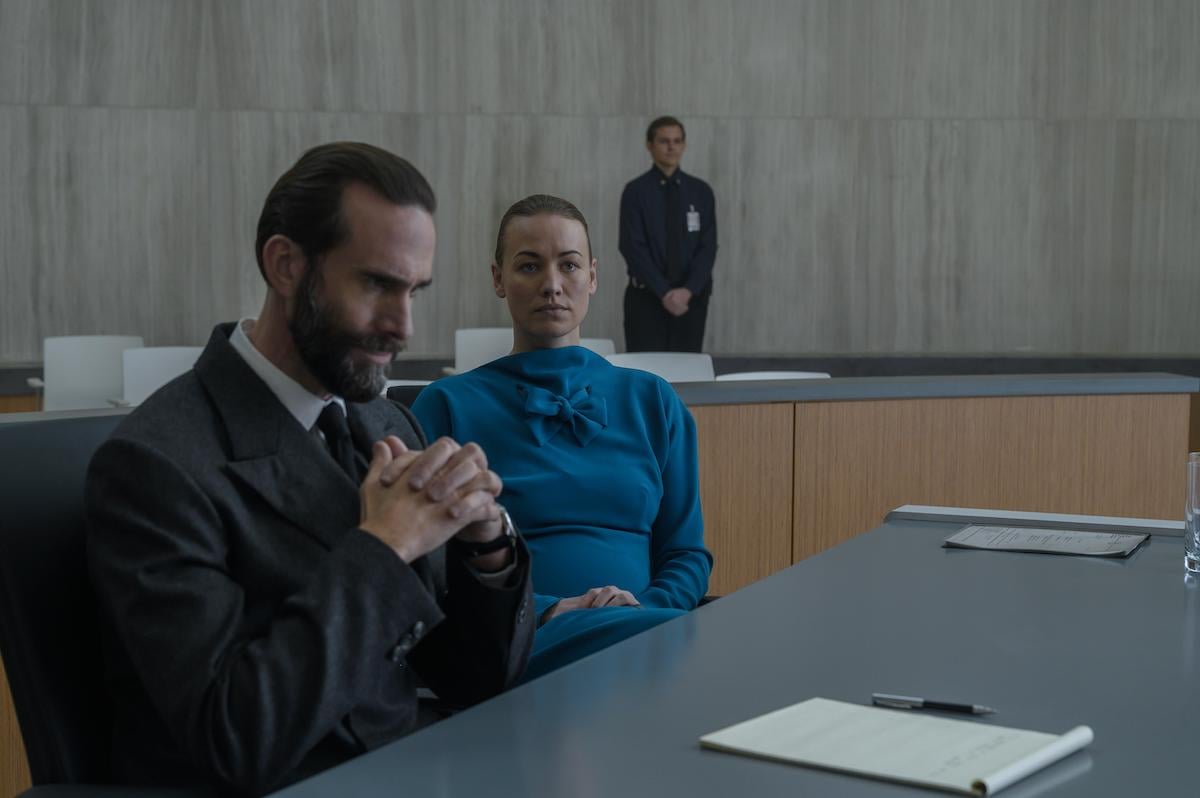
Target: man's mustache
378 343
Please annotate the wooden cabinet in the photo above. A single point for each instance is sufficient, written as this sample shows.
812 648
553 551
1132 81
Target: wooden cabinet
830 470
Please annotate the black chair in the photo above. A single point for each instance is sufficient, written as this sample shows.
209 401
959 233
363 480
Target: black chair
404 394
48 635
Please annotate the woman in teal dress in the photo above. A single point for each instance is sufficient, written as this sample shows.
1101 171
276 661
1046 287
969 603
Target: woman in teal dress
598 462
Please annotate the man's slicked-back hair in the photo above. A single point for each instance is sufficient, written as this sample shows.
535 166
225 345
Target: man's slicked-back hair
665 121
536 205
305 204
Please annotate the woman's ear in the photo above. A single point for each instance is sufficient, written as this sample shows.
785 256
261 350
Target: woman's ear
497 285
592 277
283 264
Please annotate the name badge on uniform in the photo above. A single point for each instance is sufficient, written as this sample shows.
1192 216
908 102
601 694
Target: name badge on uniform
693 219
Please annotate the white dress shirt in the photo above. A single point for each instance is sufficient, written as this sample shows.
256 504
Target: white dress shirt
301 403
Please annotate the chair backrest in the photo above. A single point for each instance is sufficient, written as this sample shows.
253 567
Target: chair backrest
49 635
84 371
671 366
404 394
474 346
149 368
601 346
404 391
772 375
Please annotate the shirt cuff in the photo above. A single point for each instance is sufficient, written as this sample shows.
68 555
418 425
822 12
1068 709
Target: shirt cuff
495 580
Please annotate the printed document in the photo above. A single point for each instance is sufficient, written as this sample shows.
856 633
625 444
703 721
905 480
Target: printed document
1045 541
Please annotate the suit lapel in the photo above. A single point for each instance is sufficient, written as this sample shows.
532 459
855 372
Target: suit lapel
305 486
371 422
269 451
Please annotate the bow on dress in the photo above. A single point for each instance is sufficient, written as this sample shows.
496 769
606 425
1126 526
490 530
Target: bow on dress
547 413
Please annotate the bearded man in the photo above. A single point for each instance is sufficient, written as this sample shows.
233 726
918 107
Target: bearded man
279 565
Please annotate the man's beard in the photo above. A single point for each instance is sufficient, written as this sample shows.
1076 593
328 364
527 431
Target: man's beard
327 349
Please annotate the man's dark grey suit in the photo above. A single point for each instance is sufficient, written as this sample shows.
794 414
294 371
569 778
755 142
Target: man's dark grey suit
253 633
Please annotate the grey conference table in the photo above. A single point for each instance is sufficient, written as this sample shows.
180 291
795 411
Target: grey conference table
1049 641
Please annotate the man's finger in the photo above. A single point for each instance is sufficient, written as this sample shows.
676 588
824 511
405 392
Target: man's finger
487 482
467 508
487 513
394 471
474 452
430 461
461 467
381 455
454 475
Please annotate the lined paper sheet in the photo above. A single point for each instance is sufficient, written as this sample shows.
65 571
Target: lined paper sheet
897 745
1045 541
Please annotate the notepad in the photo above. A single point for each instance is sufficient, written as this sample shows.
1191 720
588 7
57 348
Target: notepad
1045 541
960 756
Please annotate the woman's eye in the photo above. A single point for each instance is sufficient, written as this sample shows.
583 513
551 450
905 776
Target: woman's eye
527 267
569 266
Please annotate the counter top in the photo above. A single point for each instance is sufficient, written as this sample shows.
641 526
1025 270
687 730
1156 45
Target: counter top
12 381
936 387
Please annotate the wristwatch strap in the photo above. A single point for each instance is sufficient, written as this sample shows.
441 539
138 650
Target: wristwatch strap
507 539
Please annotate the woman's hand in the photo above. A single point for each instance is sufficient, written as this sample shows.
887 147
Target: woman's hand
609 596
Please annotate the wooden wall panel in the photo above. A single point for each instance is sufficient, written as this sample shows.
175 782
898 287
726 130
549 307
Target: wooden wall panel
1194 429
14 767
746 490
20 403
1104 455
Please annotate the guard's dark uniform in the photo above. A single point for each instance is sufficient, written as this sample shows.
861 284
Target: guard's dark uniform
668 240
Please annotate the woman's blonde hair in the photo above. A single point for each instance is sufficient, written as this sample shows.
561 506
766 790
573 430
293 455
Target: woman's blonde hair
535 205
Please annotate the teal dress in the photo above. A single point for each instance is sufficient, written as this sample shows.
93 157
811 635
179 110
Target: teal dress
600 474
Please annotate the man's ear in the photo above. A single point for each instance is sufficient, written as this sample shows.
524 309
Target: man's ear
284 264
497 286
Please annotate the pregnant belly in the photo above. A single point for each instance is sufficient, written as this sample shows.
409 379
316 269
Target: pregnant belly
569 563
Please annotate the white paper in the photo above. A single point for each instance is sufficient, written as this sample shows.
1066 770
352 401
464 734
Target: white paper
1048 541
1069 743
961 756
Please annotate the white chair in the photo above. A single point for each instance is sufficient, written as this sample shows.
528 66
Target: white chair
671 366
83 371
474 346
151 367
394 383
772 375
601 346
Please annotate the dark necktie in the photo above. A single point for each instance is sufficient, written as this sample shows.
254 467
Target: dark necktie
673 211
332 423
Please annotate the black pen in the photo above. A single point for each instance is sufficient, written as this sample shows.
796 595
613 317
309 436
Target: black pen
911 702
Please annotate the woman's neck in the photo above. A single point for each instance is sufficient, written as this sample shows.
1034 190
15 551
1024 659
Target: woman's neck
523 342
